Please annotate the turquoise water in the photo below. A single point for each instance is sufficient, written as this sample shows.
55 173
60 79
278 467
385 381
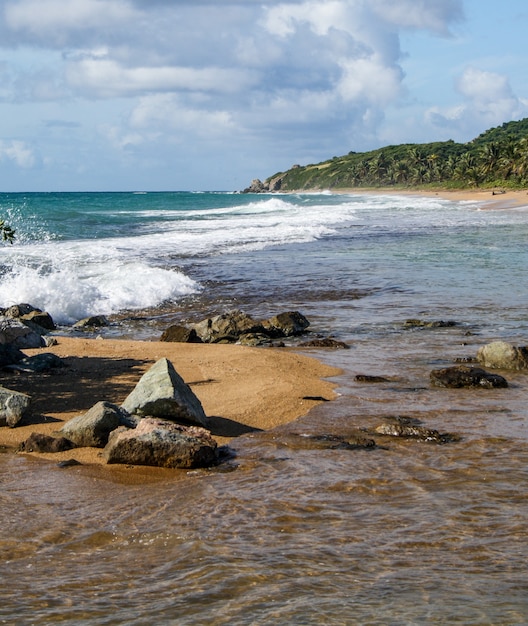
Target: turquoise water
408 533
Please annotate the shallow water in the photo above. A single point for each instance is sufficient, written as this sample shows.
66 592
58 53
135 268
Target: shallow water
408 532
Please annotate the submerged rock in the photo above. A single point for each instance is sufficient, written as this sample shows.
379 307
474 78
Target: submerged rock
502 355
417 323
366 378
161 392
327 342
161 443
415 432
465 376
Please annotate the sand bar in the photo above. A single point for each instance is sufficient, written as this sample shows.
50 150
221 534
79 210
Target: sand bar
240 388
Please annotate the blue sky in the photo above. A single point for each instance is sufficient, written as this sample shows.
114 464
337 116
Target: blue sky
202 94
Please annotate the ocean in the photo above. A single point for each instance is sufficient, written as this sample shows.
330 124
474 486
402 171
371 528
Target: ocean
407 533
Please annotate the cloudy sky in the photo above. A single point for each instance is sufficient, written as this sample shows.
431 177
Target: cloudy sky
208 94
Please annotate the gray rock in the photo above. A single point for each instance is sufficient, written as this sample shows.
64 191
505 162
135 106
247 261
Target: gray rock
18 310
161 443
38 363
94 321
14 332
13 407
161 392
502 355
94 427
465 376
37 442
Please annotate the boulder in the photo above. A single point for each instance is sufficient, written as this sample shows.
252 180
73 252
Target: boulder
41 320
37 442
37 363
13 407
180 334
9 354
161 392
14 332
18 310
227 327
286 324
465 376
94 427
161 443
502 355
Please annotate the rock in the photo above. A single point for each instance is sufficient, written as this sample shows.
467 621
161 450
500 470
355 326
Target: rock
94 321
37 442
40 319
365 378
94 427
161 392
465 376
254 339
502 355
14 332
180 334
327 342
38 363
13 407
256 186
287 324
416 323
18 310
325 442
415 432
227 327
9 354
160 443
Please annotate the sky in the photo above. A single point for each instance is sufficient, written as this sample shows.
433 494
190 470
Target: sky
122 95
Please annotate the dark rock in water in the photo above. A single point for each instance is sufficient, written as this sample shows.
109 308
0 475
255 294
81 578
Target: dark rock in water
287 324
416 323
180 334
160 443
465 376
327 342
94 427
37 442
365 378
68 463
227 328
502 355
326 442
38 363
94 321
415 432
14 406
161 392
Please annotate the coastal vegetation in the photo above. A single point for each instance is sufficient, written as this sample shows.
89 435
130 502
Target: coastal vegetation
496 158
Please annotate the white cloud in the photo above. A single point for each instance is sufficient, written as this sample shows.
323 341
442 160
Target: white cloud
18 152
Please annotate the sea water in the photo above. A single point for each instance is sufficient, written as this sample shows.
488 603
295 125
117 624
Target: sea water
407 533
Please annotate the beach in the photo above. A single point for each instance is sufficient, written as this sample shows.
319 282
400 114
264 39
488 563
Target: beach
242 389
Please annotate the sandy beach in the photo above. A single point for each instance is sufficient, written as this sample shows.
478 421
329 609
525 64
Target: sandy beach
241 389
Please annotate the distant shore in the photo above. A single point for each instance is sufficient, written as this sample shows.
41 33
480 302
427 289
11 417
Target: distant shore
497 199
241 389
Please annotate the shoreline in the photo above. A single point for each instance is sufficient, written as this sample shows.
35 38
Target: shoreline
241 389
490 198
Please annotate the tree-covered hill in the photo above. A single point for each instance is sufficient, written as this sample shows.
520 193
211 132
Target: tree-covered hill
497 157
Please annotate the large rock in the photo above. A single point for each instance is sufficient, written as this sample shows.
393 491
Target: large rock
502 355
161 392
37 363
94 427
180 334
37 442
38 321
14 332
161 443
465 376
13 407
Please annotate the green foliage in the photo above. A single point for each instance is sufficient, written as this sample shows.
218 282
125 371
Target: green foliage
498 157
7 233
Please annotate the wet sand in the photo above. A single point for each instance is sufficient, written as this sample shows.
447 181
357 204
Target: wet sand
241 389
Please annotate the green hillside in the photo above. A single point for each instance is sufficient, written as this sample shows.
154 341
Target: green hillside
497 157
